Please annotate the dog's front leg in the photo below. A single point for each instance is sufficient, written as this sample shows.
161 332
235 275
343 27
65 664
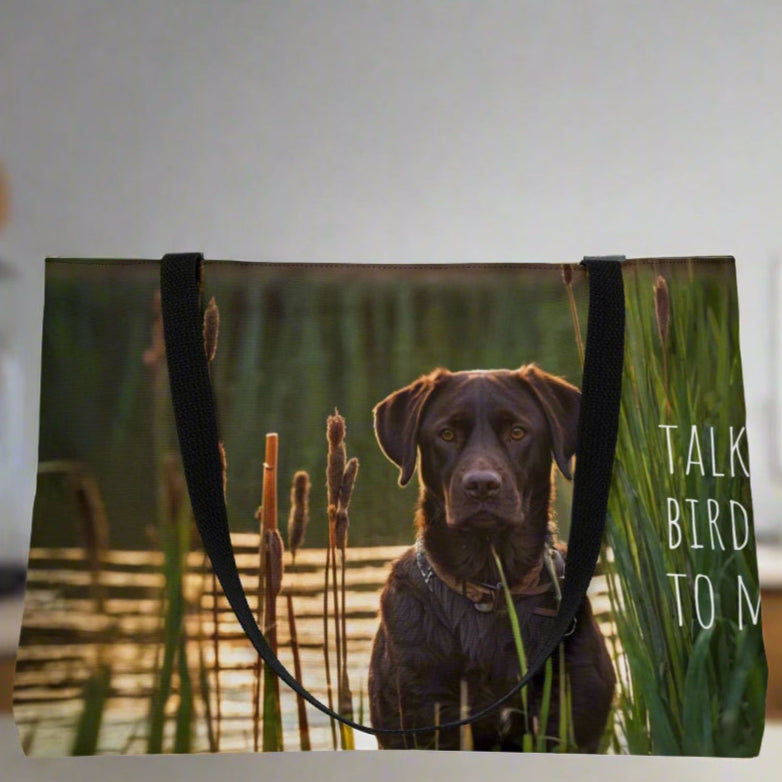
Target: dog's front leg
592 680
414 671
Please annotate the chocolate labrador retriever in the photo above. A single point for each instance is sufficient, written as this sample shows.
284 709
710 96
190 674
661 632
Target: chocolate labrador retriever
483 442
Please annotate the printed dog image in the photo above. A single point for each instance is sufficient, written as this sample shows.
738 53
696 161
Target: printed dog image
128 645
484 443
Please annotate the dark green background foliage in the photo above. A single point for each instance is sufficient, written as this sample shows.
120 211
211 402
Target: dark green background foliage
295 342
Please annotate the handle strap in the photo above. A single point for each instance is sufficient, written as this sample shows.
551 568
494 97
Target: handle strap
196 423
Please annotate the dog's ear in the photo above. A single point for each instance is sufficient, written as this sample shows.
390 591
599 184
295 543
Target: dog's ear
397 419
561 403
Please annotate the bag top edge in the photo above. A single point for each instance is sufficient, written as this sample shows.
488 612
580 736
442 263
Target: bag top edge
549 265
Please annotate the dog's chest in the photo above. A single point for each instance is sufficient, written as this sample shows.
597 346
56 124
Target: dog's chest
484 640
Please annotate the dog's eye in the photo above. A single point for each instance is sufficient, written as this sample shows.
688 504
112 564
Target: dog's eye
517 433
448 435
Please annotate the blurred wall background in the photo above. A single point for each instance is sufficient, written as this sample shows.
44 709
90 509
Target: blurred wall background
412 131
362 131
405 131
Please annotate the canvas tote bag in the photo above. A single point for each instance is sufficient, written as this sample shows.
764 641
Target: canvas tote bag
515 501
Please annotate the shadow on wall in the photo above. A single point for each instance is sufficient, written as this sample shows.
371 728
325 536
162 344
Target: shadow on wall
11 398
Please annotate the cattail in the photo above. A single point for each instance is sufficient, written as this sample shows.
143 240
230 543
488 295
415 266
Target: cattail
348 482
224 463
662 308
342 521
567 273
211 329
300 512
274 551
335 431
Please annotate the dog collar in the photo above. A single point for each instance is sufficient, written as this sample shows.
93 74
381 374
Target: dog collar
487 597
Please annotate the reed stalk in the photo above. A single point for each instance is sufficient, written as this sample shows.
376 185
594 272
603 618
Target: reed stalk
340 480
305 742
27 739
541 742
335 469
216 665
216 590
326 655
344 740
567 278
203 669
465 731
297 525
94 534
95 695
183 734
211 335
520 652
174 523
536 736
341 540
260 612
563 702
175 539
94 530
273 551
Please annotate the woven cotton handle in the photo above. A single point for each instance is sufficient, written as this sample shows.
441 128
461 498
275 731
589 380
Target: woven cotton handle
196 423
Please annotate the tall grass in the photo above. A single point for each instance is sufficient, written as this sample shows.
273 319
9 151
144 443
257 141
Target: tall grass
684 688
93 529
536 738
204 670
174 522
174 534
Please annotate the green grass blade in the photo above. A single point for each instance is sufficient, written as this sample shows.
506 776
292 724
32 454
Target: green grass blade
94 698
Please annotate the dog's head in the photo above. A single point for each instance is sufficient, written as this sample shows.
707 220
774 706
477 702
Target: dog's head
485 440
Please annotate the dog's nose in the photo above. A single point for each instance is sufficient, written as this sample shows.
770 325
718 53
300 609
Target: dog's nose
481 484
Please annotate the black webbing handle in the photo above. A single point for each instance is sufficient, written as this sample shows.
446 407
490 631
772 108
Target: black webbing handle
196 423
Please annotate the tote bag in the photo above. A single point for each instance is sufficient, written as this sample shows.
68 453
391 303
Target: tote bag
490 507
